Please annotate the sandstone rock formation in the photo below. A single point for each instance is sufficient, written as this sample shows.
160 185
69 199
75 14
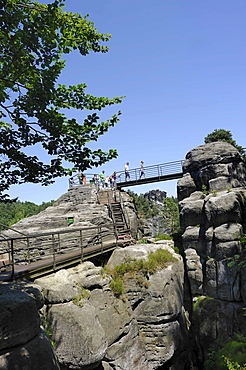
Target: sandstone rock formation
23 343
143 329
212 204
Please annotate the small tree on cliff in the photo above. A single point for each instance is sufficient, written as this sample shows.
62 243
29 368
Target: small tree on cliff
171 214
33 105
223 135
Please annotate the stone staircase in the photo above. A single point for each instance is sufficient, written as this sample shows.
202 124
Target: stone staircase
109 197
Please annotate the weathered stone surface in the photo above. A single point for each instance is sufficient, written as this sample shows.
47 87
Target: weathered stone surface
80 338
185 186
19 319
82 204
227 249
156 196
128 351
65 285
114 314
59 287
220 183
191 238
194 271
191 212
163 300
123 327
88 276
228 287
22 342
36 354
243 281
228 232
223 208
161 342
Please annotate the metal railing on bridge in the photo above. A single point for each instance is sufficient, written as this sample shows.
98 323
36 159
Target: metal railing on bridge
155 173
33 255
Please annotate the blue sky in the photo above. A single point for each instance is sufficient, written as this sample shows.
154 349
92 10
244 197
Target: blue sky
180 64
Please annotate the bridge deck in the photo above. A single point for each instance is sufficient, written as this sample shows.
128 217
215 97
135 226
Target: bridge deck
47 265
149 180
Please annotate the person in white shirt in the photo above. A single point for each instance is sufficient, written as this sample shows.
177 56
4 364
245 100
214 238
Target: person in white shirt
127 175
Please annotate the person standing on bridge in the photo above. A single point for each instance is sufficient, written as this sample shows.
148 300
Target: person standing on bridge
142 173
127 174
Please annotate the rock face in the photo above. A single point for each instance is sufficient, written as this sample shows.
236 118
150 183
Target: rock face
23 344
212 200
145 328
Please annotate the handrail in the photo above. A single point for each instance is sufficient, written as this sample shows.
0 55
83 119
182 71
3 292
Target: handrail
112 214
125 214
58 245
157 171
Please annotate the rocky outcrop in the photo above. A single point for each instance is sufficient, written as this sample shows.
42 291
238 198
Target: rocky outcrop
212 200
144 328
79 203
23 343
156 196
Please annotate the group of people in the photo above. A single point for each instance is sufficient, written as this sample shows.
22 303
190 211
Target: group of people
141 171
107 181
104 181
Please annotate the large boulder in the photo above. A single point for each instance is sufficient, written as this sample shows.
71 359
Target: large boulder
23 343
19 319
80 338
36 354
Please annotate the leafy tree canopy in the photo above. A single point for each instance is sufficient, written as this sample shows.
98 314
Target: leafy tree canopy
223 135
33 39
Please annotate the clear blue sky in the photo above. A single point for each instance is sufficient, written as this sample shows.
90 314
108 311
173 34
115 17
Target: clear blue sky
180 64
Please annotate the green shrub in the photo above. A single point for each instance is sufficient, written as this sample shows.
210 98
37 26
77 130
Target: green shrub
243 241
48 330
117 286
232 349
233 365
163 237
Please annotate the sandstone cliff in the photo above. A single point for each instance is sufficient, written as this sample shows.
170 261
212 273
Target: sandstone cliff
212 204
